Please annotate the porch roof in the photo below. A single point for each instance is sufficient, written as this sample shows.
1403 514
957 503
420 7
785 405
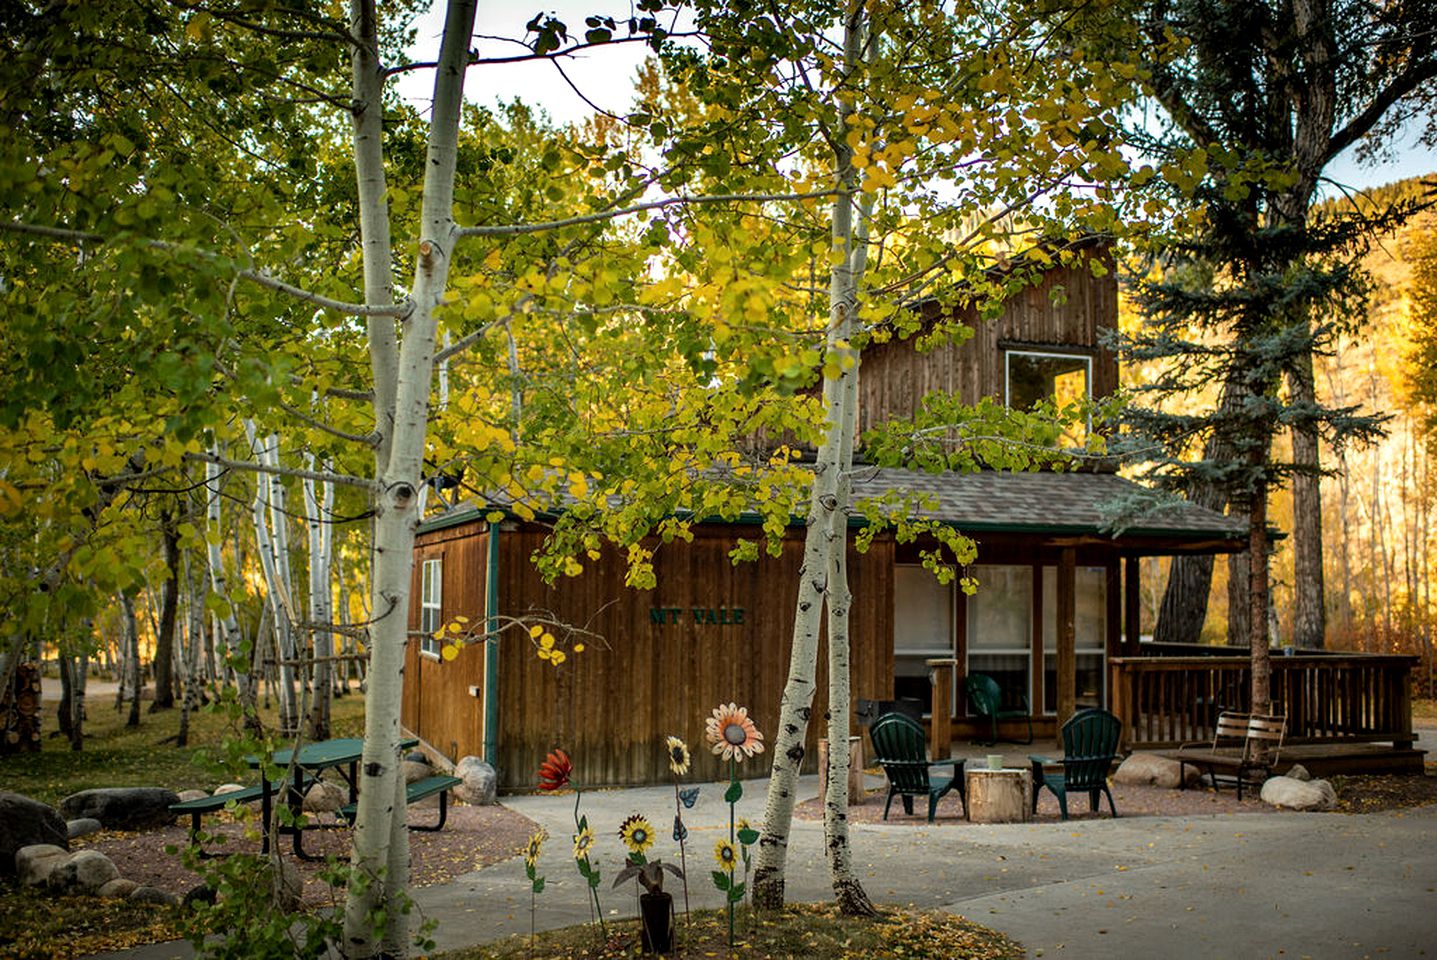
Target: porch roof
1053 508
1056 505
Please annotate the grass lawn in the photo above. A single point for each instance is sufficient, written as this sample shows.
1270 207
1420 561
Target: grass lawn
1424 709
810 931
143 756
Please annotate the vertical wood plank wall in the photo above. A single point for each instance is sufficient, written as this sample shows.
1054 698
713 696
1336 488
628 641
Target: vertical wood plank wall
438 707
896 376
611 706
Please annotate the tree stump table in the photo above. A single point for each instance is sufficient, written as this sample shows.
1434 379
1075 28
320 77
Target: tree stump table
999 796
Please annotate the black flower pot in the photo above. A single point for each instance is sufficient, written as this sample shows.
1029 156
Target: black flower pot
656 918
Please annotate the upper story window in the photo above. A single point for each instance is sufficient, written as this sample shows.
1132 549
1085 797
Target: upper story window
431 597
1031 376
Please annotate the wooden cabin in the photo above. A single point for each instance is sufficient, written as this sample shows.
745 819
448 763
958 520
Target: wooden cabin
1057 605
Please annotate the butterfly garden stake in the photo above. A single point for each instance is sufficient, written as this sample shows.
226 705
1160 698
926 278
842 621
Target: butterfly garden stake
678 752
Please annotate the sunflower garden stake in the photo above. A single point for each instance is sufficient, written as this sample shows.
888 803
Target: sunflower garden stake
679 765
555 773
536 882
731 733
747 837
638 835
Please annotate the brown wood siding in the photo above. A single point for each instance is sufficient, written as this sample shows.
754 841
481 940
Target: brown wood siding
438 707
611 706
896 376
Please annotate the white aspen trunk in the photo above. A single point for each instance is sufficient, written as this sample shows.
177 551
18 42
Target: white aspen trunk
317 527
380 850
233 639
796 706
852 899
195 618
276 592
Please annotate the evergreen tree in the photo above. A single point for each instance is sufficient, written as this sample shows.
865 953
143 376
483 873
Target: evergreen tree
1286 85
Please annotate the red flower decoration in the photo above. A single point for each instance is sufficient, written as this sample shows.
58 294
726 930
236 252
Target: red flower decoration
555 771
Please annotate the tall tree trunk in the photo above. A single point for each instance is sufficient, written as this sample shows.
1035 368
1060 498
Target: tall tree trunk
318 510
1257 600
169 607
1185 600
196 617
132 637
79 681
64 713
380 853
1239 625
1309 604
796 706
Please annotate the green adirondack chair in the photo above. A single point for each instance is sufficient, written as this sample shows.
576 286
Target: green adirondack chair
901 748
1090 744
986 700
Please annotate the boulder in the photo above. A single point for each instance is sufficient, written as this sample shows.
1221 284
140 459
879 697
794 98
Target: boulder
25 823
325 797
1152 770
199 893
123 808
153 895
1298 772
225 788
118 889
481 784
83 827
82 872
33 864
414 770
1290 794
186 795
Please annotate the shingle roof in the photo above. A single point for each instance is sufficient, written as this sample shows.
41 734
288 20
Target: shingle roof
1065 504
1046 502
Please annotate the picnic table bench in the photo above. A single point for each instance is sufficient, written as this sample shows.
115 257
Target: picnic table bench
1244 748
413 793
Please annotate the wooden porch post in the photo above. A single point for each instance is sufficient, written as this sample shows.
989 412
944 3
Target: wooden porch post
1132 605
940 674
1067 634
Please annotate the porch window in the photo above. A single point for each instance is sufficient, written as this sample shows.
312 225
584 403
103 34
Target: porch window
431 595
923 629
1090 616
1000 627
1031 377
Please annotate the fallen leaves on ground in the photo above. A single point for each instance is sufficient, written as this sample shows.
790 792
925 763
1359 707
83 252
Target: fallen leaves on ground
38 927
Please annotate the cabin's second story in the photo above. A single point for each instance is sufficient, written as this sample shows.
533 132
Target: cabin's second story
1046 343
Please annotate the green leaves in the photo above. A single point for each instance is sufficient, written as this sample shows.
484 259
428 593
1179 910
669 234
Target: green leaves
721 880
733 793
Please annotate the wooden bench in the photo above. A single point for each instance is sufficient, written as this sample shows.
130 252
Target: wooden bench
1244 748
413 793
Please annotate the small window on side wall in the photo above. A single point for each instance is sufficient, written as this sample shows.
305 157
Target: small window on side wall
431 598
1032 377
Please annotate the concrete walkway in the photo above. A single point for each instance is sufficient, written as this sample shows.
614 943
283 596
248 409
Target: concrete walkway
1283 885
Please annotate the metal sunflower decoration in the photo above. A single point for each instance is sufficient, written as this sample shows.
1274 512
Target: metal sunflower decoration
732 735
555 773
536 882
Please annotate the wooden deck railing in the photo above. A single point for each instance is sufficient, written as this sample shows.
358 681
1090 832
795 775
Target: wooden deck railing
1164 701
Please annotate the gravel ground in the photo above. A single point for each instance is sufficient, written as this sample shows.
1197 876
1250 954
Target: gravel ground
473 837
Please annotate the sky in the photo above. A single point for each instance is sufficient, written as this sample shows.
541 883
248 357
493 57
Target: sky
606 77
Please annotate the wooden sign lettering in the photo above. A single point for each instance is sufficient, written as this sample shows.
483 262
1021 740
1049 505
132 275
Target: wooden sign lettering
702 616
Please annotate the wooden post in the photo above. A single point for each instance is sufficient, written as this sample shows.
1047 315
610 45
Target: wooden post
1067 634
1133 604
940 674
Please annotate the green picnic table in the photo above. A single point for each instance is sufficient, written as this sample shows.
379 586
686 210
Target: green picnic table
310 761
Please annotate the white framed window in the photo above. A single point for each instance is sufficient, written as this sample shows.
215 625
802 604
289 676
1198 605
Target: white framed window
1031 376
431 601
1000 629
1090 616
922 630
